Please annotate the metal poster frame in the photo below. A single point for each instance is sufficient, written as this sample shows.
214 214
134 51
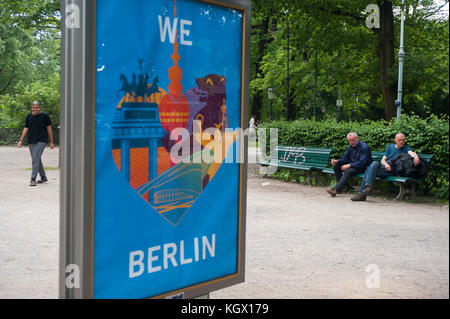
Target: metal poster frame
77 187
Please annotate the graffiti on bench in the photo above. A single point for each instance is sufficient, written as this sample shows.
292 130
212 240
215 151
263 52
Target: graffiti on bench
293 152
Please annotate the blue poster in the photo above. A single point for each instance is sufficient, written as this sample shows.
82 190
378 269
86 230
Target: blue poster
167 183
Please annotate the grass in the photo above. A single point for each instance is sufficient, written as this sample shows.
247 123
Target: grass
50 168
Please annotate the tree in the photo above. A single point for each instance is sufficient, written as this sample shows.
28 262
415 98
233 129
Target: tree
29 64
352 58
15 50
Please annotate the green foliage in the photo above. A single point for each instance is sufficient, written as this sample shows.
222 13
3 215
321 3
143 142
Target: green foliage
348 59
426 136
14 108
15 51
10 136
30 57
34 15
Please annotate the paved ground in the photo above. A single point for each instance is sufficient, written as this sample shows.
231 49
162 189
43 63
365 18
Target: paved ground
300 242
29 226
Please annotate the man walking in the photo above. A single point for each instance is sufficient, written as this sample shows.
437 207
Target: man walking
39 129
355 160
383 169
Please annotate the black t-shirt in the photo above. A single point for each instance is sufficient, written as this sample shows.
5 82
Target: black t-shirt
37 127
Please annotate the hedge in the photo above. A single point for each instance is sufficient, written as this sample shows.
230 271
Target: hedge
428 136
10 136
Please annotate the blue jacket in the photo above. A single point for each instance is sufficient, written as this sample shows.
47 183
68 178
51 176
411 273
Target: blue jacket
359 156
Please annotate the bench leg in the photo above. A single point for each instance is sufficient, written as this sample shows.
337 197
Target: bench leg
411 190
402 191
264 174
317 178
309 176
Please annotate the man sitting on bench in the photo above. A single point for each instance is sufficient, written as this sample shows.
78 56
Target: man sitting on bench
355 160
383 169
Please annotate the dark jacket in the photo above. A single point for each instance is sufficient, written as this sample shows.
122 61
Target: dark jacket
403 165
359 156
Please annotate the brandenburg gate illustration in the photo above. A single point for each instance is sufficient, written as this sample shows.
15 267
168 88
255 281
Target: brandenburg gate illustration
136 122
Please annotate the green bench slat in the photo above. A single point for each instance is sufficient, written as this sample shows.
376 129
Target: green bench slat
293 155
311 149
303 158
301 167
328 170
304 161
401 179
316 154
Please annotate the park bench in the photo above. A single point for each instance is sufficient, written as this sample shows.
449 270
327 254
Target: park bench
407 185
304 158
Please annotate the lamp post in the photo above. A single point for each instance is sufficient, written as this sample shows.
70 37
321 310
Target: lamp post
270 93
401 57
315 83
273 28
339 100
339 105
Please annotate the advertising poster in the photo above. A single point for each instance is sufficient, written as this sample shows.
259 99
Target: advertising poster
168 84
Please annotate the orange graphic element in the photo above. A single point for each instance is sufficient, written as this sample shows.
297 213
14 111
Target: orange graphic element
174 102
163 160
175 73
139 164
117 158
139 168
153 98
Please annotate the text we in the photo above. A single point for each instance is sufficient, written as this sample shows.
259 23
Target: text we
171 28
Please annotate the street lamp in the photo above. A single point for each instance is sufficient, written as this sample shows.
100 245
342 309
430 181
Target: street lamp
311 102
315 83
270 93
273 28
339 105
401 57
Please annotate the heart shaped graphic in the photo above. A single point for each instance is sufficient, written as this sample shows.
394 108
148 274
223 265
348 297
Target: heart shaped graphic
141 141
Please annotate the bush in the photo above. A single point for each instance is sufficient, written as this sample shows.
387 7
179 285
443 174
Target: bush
14 108
427 136
10 136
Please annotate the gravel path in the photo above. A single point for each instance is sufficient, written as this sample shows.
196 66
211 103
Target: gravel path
300 242
29 226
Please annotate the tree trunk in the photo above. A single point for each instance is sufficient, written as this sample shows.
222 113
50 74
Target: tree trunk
263 41
386 58
292 108
2 91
